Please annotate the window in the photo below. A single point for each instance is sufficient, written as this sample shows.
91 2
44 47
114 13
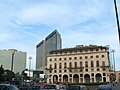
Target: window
70 58
70 65
91 56
70 70
98 69
86 64
60 71
64 58
86 57
96 49
104 74
75 64
60 75
55 71
55 66
92 69
50 59
60 66
81 75
65 70
86 70
55 59
81 64
65 65
80 57
92 65
103 56
70 75
97 56
81 70
97 63
50 71
60 59
103 63
75 58
92 74
104 69
50 66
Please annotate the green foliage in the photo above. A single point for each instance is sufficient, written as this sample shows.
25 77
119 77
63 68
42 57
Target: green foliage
1 73
8 75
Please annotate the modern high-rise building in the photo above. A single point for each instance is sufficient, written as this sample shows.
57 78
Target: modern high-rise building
52 42
14 60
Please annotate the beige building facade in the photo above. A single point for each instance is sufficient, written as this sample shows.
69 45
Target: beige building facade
81 64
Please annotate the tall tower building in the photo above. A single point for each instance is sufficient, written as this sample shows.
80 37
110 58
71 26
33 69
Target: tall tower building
14 60
52 42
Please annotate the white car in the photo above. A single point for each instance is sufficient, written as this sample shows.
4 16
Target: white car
8 87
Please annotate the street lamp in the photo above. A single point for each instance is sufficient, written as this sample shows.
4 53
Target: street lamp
29 64
113 51
13 52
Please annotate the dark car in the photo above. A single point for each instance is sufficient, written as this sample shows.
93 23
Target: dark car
8 87
77 87
104 87
36 87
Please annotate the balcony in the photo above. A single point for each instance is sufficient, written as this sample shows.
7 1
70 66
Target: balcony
75 67
104 66
49 69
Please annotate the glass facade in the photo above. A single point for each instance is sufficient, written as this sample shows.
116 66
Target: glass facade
51 42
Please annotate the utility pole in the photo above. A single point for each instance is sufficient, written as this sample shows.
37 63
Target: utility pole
29 65
117 18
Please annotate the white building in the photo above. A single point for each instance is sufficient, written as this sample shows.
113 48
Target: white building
18 58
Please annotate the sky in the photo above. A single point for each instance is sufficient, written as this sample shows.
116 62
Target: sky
24 23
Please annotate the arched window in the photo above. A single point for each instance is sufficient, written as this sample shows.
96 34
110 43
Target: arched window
75 64
50 66
92 65
55 66
86 64
81 64
70 65
65 65
97 63
60 66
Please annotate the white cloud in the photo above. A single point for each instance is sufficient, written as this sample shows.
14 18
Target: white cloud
60 13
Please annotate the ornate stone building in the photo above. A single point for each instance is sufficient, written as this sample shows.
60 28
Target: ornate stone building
81 64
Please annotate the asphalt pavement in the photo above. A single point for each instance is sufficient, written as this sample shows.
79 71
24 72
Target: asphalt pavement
115 87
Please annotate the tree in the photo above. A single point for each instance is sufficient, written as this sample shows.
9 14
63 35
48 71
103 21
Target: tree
1 73
9 75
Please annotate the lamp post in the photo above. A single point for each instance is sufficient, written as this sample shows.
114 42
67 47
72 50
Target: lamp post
13 52
29 64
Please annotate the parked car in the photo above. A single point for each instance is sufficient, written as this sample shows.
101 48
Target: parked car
54 87
104 87
8 87
36 87
77 87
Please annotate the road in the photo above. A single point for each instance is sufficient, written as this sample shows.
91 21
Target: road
116 87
